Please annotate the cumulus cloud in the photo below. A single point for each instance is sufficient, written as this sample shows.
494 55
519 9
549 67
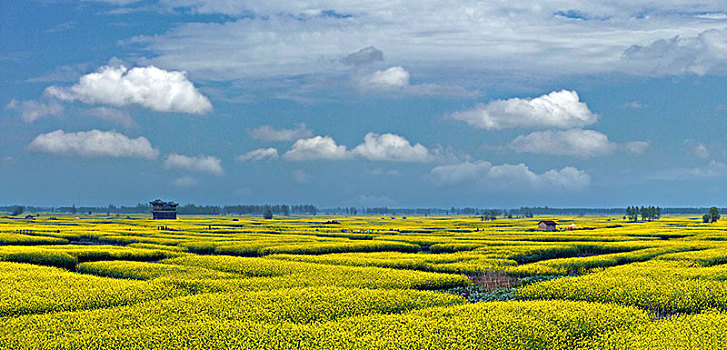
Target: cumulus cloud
202 163
315 148
561 109
268 133
93 143
364 56
31 111
390 147
185 181
388 79
483 173
574 142
701 54
259 154
376 147
112 115
150 87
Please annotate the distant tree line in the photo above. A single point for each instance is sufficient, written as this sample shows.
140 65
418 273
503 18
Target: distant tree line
652 213
647 213
189 209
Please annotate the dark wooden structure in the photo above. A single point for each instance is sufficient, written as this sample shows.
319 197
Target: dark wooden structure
162 210
547 225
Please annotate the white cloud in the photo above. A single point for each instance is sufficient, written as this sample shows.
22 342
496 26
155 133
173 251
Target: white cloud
483 173
300 177
93 143
398 79
150 87
574 142
268 133
388 79
700 150
259 154
376 147
637 147
31 111
202 163
112 115
390 147
701 54
185 181
461 172
633 105
314 148
561 109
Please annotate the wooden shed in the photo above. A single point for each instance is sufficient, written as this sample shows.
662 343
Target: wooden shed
547 225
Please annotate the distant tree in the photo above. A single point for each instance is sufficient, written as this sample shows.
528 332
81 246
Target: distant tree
18 210
711 216
73 209
632 213
268 214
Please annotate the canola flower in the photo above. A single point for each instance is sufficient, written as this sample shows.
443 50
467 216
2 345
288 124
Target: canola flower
331 282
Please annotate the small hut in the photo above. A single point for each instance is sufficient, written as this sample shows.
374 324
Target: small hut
161 210
30 217
547 225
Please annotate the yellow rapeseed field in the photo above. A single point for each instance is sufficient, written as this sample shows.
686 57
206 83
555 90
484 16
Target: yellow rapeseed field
360 282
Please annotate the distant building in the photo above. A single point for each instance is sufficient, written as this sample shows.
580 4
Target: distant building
29 217
162 210
547 225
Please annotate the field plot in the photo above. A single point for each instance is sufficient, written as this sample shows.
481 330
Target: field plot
324 282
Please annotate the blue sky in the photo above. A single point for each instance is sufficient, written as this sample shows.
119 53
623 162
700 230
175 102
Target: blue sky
364 103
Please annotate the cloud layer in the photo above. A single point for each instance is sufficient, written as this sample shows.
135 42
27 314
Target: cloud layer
701 54
149 87
509 38
560 109
93 143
